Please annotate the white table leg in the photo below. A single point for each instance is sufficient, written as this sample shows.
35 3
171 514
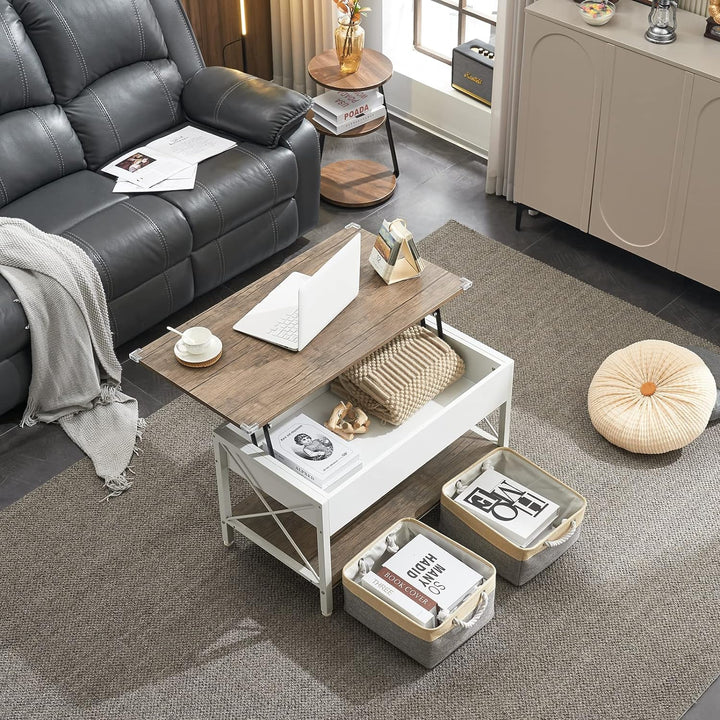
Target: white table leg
324 561
504 423
223 487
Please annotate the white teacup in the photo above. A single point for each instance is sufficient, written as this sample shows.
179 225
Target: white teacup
196 340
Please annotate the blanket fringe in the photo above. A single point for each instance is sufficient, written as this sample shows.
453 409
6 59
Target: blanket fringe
118 485
141 425
108 394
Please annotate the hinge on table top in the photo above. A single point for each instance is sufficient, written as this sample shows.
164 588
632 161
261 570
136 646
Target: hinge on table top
136 355
465 283
250 429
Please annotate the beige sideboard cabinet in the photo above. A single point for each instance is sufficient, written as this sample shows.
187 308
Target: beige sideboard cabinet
621 138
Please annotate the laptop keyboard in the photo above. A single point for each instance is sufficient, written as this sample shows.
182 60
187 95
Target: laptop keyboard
287 327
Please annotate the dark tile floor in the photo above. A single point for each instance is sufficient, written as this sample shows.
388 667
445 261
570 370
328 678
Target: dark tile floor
438 182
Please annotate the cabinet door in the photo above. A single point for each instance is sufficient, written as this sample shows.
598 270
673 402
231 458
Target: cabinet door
699 251
560 93
642 127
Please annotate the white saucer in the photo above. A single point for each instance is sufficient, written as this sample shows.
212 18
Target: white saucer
213 350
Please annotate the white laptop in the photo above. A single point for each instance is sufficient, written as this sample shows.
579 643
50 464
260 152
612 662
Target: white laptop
302 305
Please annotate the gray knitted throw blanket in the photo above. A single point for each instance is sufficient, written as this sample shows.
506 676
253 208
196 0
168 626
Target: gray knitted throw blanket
75 372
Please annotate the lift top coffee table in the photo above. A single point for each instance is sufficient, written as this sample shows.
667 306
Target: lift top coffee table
256 384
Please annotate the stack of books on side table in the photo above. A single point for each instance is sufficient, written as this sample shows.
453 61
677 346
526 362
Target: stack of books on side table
317 454
337 112
423 581
515 511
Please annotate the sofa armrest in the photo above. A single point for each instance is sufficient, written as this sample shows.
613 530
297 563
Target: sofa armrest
243 105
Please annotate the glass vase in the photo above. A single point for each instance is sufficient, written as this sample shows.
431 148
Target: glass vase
349 44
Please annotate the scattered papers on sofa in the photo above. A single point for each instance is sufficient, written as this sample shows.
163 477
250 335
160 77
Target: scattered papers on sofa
168 163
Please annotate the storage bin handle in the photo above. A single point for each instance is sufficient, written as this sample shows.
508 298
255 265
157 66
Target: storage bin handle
365 564
479 610
562 540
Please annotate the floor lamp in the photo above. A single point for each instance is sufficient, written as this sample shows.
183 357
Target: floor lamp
242 39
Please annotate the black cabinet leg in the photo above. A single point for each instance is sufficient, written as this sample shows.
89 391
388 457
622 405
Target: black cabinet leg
519 207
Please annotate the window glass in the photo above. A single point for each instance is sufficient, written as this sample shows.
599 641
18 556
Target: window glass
440 25
479 30
438 28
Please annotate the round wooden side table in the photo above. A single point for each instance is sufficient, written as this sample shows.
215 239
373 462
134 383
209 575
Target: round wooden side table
355 183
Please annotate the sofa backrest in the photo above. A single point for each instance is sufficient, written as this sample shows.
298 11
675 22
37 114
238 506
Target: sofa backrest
108 66
84 80
37 143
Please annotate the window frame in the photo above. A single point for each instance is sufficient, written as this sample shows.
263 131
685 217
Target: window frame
460 6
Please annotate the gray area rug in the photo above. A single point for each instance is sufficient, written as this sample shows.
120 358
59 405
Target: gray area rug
134 609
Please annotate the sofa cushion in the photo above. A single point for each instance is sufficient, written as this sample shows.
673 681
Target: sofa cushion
133 241
80 41
24 83
37 146
235 187
120 110
65 202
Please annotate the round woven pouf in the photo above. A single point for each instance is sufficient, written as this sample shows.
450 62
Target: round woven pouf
651 397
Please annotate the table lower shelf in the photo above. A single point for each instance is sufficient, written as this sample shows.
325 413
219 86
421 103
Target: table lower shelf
356 183
414 497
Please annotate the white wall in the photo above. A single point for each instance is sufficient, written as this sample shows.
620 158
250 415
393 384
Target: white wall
420 89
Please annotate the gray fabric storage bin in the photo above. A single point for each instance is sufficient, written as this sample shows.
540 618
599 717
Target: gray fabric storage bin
514 563
428 646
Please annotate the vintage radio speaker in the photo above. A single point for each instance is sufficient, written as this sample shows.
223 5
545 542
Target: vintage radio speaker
472 69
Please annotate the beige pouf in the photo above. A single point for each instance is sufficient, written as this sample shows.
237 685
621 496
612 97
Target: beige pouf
651 397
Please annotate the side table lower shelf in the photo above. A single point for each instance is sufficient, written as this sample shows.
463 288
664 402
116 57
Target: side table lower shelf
356 183
414 497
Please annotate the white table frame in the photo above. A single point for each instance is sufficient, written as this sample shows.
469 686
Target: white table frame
237 449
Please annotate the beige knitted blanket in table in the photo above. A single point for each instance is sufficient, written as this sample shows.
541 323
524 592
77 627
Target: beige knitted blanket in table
75 372
397 379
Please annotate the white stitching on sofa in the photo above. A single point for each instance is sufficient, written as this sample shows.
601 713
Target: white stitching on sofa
103 109
217 206
155 227
169 291
94 253
18 61
184 20
73 40
141 31
275 229
163 240
225 95
273 179
173 109
222 259
58 152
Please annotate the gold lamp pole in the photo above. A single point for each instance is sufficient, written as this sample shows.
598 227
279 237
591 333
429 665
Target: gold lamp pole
243 32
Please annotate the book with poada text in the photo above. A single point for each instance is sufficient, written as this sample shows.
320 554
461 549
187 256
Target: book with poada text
339 106
515 511
342 126
434 572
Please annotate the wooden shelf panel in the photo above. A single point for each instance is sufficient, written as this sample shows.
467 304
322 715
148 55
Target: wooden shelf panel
375 70
412 498
356 183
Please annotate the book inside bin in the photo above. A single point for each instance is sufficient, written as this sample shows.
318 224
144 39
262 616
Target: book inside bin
427 645
515 562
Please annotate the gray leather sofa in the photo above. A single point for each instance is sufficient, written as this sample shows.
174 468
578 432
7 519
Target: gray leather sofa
82 81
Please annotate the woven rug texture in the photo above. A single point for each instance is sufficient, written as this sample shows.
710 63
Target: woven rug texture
135 609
